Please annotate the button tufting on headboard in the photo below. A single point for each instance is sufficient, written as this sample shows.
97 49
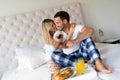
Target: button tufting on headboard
25 30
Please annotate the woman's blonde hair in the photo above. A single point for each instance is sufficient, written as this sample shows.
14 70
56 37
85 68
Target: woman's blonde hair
46 26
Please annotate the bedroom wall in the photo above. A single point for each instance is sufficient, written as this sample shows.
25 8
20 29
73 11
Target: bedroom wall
100 14
104 15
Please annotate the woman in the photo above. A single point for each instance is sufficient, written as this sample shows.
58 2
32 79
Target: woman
51 45
48 28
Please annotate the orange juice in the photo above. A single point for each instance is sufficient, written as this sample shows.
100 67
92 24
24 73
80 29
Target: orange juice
80 66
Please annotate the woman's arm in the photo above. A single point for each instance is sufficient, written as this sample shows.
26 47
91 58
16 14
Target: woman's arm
54 43
57 43
71 30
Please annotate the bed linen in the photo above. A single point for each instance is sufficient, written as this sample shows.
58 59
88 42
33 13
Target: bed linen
113 76
41 73
109 53
90 74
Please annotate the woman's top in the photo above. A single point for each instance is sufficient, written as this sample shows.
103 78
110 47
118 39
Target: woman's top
76 33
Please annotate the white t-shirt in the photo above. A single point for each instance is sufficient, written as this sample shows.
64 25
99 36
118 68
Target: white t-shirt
76 33
49 48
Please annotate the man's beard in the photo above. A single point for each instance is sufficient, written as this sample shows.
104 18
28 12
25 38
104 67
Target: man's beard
58 28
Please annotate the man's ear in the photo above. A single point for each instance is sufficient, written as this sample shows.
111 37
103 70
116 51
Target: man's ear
65 21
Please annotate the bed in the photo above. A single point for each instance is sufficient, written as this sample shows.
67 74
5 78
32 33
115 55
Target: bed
21 45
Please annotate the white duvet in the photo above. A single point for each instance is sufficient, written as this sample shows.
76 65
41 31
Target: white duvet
41 73
110 54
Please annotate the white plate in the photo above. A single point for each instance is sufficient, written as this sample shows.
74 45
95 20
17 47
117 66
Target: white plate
74 71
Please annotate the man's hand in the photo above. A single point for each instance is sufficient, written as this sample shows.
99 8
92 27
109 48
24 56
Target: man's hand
70 43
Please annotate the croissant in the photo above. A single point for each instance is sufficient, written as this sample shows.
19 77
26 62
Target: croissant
63 74
66 73
58 76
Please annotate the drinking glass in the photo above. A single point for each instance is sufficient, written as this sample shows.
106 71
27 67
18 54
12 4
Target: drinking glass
80 66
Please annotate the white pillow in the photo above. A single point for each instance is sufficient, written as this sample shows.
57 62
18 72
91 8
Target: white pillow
30 57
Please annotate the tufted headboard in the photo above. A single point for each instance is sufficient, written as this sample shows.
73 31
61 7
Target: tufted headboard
25 30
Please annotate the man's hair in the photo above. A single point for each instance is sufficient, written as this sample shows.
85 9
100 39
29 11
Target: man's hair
62 15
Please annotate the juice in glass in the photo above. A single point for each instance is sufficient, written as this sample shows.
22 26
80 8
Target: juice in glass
80 66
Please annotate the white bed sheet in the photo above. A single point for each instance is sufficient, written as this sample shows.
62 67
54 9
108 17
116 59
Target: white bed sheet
113 76
90 74
41 73
110 54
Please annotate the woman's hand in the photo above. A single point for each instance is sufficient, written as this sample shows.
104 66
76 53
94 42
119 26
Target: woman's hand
59 38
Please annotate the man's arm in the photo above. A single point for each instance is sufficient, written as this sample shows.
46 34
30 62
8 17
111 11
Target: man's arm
86 32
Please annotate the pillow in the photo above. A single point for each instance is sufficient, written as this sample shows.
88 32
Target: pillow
30 57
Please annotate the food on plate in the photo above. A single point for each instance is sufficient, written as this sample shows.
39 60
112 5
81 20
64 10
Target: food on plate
66 73
63 74
57 75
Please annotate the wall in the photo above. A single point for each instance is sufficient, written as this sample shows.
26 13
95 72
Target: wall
9 7
100 14
105 15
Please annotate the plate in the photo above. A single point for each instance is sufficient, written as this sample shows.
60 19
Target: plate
74 71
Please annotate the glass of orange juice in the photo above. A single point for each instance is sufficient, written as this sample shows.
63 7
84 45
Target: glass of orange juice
80 66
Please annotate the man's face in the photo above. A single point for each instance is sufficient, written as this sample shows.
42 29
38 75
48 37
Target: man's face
59 23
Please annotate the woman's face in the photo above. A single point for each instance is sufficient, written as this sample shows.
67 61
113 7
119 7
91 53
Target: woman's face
53 29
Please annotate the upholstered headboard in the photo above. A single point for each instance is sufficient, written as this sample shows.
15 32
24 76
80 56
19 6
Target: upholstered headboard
25 30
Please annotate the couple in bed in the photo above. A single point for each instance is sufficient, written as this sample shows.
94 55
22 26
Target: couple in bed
66 42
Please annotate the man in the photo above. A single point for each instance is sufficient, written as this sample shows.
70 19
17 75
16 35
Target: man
80 44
